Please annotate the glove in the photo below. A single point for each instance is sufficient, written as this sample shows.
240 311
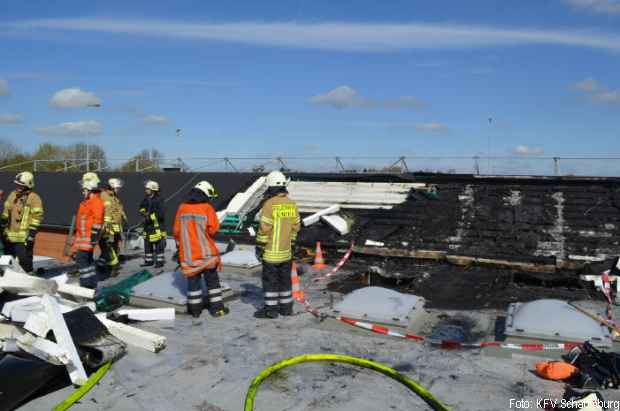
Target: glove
94 236
258 252
30 239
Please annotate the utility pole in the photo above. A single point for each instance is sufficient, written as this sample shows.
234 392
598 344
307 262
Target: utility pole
489 147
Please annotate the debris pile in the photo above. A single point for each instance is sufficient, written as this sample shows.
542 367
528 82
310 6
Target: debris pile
50 332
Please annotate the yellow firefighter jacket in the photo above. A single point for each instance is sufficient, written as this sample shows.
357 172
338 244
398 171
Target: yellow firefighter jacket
23 212
279 225
118 214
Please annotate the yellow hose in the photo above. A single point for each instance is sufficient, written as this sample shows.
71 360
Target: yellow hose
395 375
80 392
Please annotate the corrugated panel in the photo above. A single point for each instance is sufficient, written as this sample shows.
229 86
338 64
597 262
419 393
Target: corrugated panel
313 196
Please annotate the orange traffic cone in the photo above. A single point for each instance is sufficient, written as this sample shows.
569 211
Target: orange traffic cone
297 293
319 262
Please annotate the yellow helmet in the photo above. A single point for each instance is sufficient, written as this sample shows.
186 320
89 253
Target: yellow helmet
25 179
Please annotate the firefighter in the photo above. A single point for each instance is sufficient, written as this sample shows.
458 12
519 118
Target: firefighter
119 219
21 218
153 212
108 259
279 225
88 226
195 225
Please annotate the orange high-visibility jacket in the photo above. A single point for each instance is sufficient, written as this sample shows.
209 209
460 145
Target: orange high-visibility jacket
194 227
88 222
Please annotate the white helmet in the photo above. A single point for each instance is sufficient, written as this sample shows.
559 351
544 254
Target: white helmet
115 183
277 179
90 181
25 179
206 188
152 185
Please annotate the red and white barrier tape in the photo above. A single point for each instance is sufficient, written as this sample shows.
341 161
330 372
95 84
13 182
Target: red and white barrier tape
338 266
379 329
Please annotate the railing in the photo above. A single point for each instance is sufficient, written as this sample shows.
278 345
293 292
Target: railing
480 165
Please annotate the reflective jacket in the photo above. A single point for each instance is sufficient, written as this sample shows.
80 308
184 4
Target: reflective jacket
88 222
106 197
279 225
153 211
118 214
23 212
195 225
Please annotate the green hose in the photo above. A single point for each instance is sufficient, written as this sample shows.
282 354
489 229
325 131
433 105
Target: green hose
90 383
395 375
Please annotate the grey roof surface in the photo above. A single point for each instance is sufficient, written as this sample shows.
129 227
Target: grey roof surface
209 364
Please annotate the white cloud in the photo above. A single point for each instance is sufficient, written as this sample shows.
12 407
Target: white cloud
346 96
9 118
587 85
372 37
4 87
341 96
598 93
155 119
597 6
74 98
523 150
607 97
88 128
431 128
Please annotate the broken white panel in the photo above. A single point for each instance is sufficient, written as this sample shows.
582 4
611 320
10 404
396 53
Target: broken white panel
9 331
20 310
252 231
149 314
9 262
312 196
44 349
382 305
314 218
589 258
64 340
76 291
134 336
554 320
241 203
374 243
38 324
25 284
337 223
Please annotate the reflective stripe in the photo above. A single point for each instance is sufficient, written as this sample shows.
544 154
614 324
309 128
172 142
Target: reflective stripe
194 300
271 294
266 220
96 227
194 293
88 275
271 302
286 293
215 299
215 291
286 300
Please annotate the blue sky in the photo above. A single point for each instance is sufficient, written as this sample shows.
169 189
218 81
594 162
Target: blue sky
313 77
